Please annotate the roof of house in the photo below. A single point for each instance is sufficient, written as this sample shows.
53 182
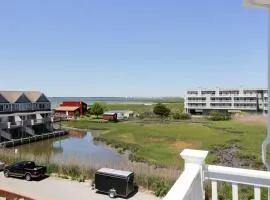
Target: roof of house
11 96
67 108
109 113
35 96
119 111
23 96
73 102
114 172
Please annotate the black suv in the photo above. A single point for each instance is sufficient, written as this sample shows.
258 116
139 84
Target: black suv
25 169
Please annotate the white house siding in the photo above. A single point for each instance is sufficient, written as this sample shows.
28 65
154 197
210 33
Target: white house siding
240 99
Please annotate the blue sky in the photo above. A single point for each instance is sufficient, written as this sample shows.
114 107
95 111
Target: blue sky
130 47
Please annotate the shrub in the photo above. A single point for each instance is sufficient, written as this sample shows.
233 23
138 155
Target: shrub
218 116
185 116
98 108
113 120
141 116
181 116
161 110
176 115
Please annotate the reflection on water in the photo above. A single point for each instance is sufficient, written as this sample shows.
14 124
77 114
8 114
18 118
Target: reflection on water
74 149
82 150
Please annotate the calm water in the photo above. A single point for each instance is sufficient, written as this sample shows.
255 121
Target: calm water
56 101
84 151
75 149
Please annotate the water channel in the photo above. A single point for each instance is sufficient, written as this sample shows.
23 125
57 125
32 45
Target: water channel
82 150
74 149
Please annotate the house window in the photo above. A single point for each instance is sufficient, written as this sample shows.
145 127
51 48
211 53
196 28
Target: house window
22 106
41 106
1 108
6 106
15 106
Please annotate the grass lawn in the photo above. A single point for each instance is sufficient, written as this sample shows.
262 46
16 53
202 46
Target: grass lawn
161 143
141 108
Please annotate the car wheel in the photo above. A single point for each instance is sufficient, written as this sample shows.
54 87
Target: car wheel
112 193
28 177
6 174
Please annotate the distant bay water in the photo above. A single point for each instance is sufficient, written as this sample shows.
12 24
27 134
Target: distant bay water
56 101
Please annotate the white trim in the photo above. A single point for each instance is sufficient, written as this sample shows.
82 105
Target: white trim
238 175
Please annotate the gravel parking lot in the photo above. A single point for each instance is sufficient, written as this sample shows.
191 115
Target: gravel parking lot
58 189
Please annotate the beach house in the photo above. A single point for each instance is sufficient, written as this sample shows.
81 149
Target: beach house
23 114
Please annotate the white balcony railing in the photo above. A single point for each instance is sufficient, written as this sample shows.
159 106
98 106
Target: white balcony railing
190 185
191 101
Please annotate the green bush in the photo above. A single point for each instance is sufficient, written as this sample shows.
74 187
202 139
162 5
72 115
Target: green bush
88 114
113 120
185 116
161 110
218 116
176 115
141 116
181 116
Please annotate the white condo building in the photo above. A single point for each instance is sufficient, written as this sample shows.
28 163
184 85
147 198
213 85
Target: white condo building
201 101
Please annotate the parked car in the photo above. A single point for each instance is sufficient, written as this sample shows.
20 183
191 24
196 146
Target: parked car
2 166
25 169
114 182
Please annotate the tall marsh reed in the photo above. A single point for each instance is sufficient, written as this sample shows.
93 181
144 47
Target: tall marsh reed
157 180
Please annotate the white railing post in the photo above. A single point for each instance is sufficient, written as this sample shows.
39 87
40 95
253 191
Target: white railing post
196 158
189 186
234 191
214 190
257 193
193 157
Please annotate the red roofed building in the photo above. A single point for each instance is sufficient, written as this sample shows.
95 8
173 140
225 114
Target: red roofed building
82 106
71 109
71 112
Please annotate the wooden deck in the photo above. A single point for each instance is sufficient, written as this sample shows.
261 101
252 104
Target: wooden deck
16 142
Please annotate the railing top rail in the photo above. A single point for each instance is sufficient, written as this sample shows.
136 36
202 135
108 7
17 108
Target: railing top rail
238 175
238 171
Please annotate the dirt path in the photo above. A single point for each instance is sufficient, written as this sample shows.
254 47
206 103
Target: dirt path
254 119
58 189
